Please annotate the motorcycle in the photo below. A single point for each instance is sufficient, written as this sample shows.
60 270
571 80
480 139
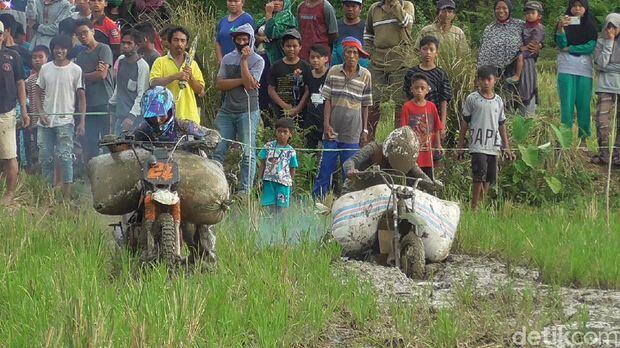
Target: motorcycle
153 228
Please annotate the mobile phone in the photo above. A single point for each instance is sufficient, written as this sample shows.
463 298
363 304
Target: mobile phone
574 20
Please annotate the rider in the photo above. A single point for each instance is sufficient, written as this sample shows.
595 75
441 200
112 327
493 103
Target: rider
160 124
398 154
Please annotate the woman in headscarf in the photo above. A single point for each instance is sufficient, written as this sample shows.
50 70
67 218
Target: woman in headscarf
576 38
607 60
278 19
501 40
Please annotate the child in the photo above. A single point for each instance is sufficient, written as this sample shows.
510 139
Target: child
313 115
287 79
61 83
40 56
440 90
483 112
607 59
277 167
576 43
533 33
422 117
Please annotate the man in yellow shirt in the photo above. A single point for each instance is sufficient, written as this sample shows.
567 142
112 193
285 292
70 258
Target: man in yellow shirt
170 71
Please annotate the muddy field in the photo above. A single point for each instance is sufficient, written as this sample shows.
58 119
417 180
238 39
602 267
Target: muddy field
488 276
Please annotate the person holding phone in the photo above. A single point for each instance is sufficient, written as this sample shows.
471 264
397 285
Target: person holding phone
576 43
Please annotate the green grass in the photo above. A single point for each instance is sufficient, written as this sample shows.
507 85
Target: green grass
62 283
570 245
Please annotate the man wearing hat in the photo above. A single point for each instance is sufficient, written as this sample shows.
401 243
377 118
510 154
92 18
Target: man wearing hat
350 25
12 91
240 71
348 94
451 38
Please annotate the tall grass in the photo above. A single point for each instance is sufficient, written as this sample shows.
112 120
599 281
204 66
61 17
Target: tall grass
571 245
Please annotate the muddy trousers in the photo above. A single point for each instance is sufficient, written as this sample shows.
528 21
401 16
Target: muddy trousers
575 93
608 105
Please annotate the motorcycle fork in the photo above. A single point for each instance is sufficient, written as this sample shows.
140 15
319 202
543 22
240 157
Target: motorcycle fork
152 210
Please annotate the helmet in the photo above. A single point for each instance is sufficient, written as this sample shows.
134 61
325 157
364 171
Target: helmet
157 102
401 149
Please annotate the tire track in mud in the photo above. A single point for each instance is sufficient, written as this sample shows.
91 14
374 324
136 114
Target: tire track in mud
488 276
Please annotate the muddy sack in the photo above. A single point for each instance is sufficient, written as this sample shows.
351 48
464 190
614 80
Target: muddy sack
356 217
115 185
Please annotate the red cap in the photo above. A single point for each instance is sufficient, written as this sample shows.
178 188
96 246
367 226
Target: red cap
350 41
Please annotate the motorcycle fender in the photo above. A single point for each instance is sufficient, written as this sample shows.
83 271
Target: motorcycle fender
166 197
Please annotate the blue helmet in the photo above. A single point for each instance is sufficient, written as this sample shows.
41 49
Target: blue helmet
156 102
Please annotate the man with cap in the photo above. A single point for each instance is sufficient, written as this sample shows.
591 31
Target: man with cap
350 25
451 38
238 77
398 154
12 91
348 94
389 41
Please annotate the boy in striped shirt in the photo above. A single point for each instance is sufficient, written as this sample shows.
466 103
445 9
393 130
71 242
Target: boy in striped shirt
348 94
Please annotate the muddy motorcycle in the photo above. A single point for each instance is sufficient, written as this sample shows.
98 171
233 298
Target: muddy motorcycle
153 228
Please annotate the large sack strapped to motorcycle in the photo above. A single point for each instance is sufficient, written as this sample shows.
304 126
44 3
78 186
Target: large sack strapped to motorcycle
115 178
356 217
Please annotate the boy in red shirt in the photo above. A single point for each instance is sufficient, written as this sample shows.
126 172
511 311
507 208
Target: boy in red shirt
422 116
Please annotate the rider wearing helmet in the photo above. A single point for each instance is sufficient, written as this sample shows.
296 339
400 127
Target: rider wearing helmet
160 124
398 154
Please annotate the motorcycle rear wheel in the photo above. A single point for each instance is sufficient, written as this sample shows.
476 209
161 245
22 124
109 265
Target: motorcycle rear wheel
168 240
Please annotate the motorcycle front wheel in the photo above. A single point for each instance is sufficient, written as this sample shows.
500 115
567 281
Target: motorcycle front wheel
168 240
412 256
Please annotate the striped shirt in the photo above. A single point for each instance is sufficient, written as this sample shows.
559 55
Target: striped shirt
31 83
347 97
386 30
438 81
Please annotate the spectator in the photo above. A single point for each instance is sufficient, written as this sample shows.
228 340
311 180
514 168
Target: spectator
484 114
501 40
236 18
59 83
67 27
12 92
313 115
184 81
43 18
106 30
607 59
118 12
156 11
422 116
389 41
238 78
350 25
452 38
317 24
17 8
20 38
132 81
82 10
163 37
10 26
278 20
525 75
348 94
277 167
440 90
287 79
147 47
96 63
576 44
40 56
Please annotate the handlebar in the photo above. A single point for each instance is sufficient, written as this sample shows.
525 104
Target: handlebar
151 145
